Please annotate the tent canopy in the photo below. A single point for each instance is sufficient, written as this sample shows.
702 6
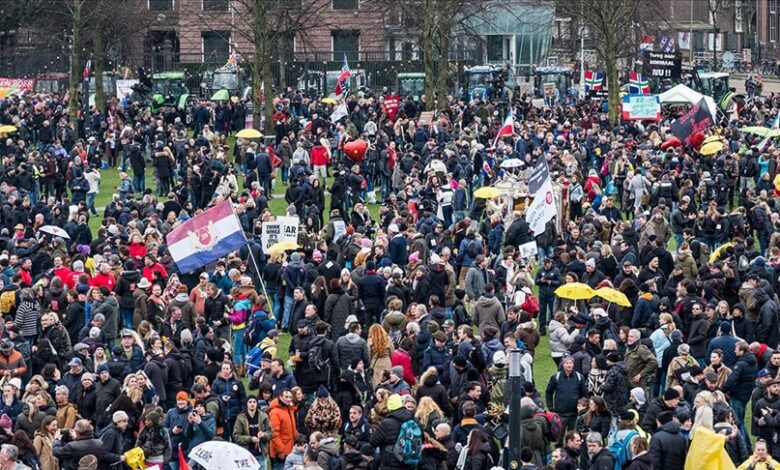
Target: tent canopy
683 94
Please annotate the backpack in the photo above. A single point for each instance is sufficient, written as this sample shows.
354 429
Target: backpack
554 431
66 342
7 301
473 249
620 449
317 360
220 418
530 305
408 446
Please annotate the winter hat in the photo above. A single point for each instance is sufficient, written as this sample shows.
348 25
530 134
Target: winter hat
295 257
725 327
397 371
638 393
322 392
182 395
590 263
460 361
120 416
78 265
154 417
394 402
101 368
499 358
489 332
316 255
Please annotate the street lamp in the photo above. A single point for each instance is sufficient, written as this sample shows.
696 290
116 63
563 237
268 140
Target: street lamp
515 386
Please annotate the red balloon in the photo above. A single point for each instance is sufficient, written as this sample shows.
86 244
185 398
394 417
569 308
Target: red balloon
671 142
356 149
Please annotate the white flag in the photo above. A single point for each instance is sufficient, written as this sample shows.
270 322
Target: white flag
339 113
542 208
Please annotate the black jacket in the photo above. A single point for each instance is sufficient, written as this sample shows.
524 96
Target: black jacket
654 408
114 445
386 434
105 394
69 454
604 460
739 385
125 287
668 448
767 330
563 392
697 336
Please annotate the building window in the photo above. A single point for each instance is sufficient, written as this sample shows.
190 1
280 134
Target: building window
216 5
346 42
345 4
160 5
216 46
772 20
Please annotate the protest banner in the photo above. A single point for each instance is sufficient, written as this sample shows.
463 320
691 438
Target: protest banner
641 108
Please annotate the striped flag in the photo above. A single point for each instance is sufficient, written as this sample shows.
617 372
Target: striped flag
507 128
593 80
87 69
205 237
638 84
342 84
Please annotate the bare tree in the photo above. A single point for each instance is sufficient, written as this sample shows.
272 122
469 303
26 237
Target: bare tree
437 23
264 25
616 25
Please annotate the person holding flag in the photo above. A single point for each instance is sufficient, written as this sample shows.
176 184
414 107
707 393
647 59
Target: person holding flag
342 84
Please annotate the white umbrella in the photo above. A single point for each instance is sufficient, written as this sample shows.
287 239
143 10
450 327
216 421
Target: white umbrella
221 455
512 163
54 230
437 166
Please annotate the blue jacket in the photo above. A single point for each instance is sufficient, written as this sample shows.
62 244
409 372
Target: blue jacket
463 250
286 381
234 389
177 417
398 250
264 325
223 282
438 358
459 200
727 343
199 433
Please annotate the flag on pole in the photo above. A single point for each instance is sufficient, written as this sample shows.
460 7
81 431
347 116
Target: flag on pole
183 464
542 209
593 80
206 237
342 84
87 69
507 128
638 84
339 112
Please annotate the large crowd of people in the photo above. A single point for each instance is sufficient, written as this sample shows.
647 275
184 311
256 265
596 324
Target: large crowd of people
405 299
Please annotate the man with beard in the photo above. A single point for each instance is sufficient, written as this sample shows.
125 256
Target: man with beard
599 457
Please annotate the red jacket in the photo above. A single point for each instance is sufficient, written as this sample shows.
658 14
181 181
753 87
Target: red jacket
136 250
403 359
319 155
104 280
148 271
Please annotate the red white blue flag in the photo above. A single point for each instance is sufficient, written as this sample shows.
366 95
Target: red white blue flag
342 84
206 237
638 84
593 80
507 128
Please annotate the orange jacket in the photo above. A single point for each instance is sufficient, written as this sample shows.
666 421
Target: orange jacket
13 362
283 423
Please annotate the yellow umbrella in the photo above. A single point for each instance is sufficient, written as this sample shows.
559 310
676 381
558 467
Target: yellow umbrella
487 193
282 247
248 134
614 296
575 291
761 131
712 138
328 101
7 129
711 148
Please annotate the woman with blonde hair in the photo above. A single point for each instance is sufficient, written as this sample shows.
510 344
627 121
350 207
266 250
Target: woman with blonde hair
428 412
379 350
379 411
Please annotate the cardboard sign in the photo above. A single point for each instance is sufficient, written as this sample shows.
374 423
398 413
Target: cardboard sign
641 108
426 118
538 103
124 88
661 64
528 250
550 90
283 229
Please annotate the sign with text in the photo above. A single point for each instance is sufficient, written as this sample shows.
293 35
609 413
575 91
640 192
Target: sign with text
426 118
641 108
696 119
391 106
283 229
26 84
661 64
